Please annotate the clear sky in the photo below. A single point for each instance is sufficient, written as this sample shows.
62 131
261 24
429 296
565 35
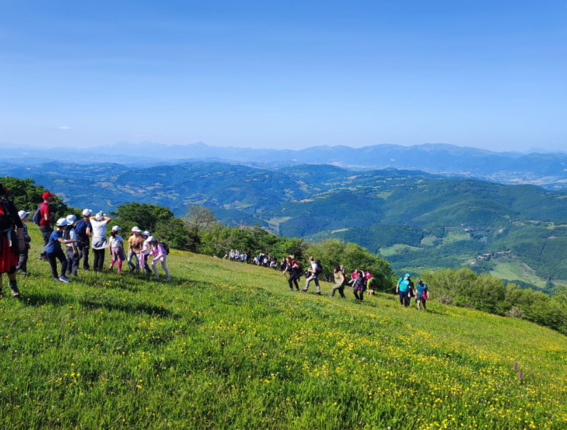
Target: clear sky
284 74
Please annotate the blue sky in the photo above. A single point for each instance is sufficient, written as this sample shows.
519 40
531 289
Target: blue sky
293 74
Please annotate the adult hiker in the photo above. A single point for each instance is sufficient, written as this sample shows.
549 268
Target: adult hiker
83 229
43 218
22 266
402 288
293 268
422 295
314 271
134 247
99 243
12 241
54 251
340 282
159 252
71 248
359 286
116 248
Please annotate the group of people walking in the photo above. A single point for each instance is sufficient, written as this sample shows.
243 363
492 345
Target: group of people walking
70 242
360 281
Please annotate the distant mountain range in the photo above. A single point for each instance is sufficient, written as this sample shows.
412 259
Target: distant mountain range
548 170
416 219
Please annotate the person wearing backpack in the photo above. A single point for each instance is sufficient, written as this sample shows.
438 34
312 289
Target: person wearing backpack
422 294
22 266
159 252
71 248
340 282
43 218
314 271
403 288
12 241
83 229
294 270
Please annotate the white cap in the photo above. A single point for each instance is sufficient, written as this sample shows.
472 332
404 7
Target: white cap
23 214
115 228
71 219
61 222
146 233
99 216
151 239
87 212
136 230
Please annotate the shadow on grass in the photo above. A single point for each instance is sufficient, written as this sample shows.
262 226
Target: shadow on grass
58 300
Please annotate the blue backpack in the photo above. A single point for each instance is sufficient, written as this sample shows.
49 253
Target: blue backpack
37 215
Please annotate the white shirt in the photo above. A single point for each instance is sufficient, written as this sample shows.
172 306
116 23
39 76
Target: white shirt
72 235
116 242
99 228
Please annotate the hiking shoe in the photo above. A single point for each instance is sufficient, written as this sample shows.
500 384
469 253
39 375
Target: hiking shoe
14 288
56 279
304 289
24 274
64 279
318 293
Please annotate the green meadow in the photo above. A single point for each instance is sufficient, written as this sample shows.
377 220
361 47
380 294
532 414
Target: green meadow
227 346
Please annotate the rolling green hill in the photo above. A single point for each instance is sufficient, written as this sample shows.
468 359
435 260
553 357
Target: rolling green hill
417 220
225 345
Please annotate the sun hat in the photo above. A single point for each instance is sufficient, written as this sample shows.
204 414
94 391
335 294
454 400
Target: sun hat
23 214
151 239
62 222
115 228
146 233
136 230
47 194
71 219
87 212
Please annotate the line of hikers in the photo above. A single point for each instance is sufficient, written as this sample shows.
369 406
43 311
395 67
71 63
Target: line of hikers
246 257
70 242
360 281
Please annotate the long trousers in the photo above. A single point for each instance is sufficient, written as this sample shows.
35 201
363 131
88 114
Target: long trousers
340 288
73 261
98 259
133 256
404 298
52 257
23 260
293 278
45 234
163 265
313 277
359 294
84 254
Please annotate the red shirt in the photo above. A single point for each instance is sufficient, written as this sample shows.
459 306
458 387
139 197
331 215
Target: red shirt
44 210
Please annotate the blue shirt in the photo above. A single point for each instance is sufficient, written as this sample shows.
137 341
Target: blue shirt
404 284
421 289
54 244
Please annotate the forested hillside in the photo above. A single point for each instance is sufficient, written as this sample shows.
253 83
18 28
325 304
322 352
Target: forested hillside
417 220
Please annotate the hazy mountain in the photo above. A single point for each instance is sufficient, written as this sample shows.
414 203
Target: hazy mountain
544 169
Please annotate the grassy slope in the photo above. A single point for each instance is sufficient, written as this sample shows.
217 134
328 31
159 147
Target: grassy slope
227 346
